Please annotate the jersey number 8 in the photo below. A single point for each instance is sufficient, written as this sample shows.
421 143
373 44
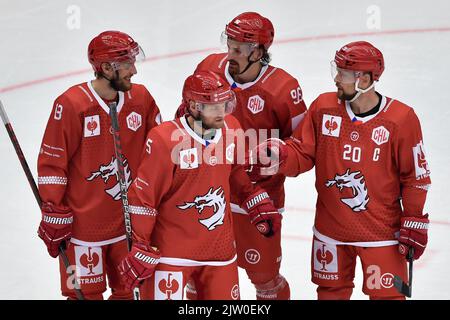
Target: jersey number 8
58 112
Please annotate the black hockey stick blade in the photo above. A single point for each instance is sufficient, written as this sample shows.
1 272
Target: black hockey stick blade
402 287
399 284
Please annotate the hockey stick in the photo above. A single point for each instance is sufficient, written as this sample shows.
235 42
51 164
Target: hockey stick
122 180
35 190
401 286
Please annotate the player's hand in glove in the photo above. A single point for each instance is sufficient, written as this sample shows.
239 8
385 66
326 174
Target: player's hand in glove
138 265
55 227
265 159
263 213
413 233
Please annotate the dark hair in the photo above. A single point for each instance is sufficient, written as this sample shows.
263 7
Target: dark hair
266 58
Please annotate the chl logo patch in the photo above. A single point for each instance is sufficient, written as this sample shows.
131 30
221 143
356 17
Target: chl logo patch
89 260
380 135
331 125
255 104
189 159
168 285
325 257
134 121
91 126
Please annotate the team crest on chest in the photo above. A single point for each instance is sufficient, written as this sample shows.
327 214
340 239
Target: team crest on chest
91 126
213 199
355 181
331 125
255 104
110 171
134 121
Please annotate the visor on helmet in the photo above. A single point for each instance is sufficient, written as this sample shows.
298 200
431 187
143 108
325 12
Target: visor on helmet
343 75
243 49
220 108
134 55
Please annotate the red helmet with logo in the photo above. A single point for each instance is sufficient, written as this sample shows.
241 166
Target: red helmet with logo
113 47
251 27
360 56
206 88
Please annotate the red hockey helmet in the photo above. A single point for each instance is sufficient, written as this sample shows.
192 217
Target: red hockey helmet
206 88
251 27
360 56
113 47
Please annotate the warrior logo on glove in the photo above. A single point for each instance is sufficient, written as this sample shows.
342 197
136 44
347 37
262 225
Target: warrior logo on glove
110 170
213 199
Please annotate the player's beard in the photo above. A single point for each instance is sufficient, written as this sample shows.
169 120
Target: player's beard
233 68
344 96
214 123
120 84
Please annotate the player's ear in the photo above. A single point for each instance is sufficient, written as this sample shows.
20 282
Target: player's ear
107 69
192 107
366 80
257 53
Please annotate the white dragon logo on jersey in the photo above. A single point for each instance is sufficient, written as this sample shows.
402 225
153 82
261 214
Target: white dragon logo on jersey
110 170
214 199
358 185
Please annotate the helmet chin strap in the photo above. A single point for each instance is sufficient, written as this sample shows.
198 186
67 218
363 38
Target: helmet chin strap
249 64
111 81
360 91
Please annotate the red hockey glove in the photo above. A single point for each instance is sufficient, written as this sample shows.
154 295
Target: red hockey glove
265 159
55 227
138 265
263 213
413 233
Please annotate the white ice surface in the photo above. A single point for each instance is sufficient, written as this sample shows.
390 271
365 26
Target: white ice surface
37 44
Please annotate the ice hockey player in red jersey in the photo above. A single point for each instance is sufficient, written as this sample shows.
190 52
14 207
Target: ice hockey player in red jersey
77 168
372 178
180 200
269 104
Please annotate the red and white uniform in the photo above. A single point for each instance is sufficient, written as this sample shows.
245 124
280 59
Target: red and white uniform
77 165
368 172
180 203
273 101
364 167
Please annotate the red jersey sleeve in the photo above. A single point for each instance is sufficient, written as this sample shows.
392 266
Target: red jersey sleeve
301 145
153 180
239 180
292 107
154 116
61 139
413 167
